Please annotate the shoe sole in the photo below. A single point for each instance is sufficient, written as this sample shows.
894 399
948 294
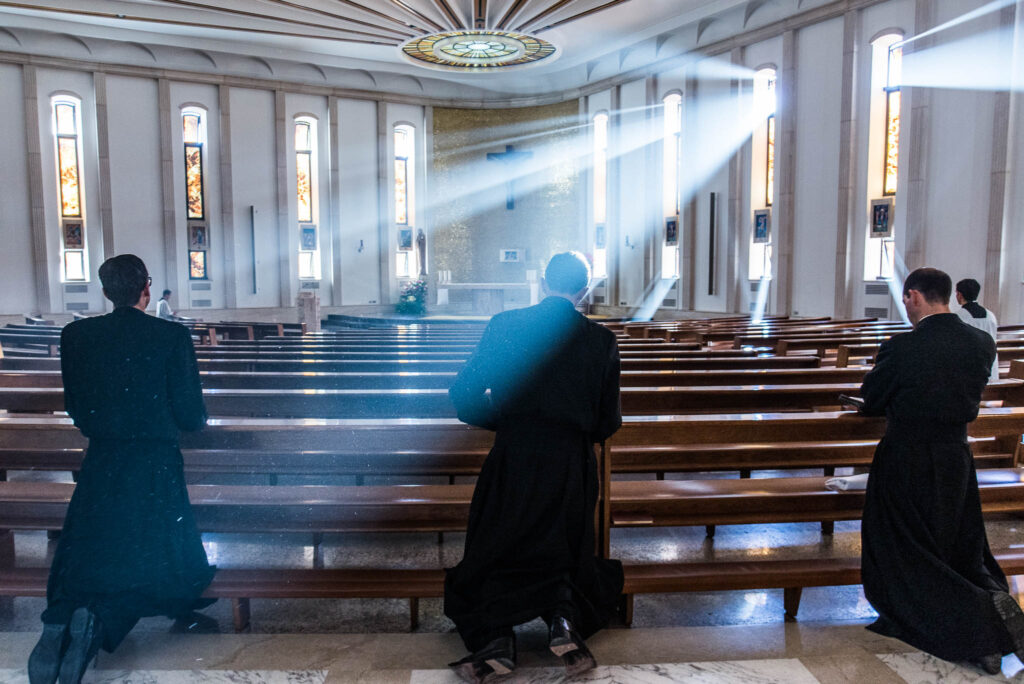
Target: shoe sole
562 646
501 666
48 650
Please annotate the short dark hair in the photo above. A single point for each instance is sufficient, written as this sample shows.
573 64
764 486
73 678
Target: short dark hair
934 285
969 288
567 273
166 292
124 278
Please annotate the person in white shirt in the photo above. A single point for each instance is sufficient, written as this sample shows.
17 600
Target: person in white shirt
163 307
974 314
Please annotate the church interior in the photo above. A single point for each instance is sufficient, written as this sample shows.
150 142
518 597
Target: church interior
339 194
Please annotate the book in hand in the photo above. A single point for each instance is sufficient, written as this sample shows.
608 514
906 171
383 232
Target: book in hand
853 402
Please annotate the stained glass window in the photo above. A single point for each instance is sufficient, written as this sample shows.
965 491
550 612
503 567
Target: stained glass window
66 127
892 120
769 179
759 261
303 171
401 177
671 154
192 135
197 265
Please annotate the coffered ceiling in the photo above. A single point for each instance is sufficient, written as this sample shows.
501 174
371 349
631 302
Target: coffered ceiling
357 43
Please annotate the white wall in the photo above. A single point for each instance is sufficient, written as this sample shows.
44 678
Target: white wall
254 184
817 167
135 187
18 295
358 241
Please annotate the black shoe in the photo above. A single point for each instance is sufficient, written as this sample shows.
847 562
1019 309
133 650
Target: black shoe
1013 619
44 662
992 664
470 670
86 636
562 636
499 655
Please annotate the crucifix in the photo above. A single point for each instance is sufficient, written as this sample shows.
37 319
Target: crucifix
510 157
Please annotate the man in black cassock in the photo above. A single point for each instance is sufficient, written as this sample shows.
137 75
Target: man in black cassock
926 564
129 547
546 379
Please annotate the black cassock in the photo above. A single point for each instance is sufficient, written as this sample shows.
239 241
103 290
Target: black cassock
553 377
926 564
130 547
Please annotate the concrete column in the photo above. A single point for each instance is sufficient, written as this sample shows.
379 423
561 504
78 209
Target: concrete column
287 256
917 152
734 203
1000 206
846 230
106 210
334 221
384 162
613 223
688 202
227 200
167 119
785 173
45 297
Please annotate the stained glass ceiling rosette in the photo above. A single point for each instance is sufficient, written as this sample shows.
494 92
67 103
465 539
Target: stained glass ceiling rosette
477 50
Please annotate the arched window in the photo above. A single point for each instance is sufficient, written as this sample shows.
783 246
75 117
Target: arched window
883 154
193 135
67 127
306 198
762 175
600 192
405 183
671 156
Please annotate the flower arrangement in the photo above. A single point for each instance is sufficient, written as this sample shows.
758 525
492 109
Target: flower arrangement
413 298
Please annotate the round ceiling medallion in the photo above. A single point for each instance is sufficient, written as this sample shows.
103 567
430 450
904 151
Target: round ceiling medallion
477 50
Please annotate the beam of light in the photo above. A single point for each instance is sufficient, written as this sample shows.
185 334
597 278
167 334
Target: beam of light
899 269
975 62
993 6
653 299
761 303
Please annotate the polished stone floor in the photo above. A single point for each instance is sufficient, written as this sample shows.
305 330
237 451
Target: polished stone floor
736 636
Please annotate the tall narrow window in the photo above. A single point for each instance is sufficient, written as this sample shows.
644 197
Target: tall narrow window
405 148
305 198
883 155
67 124
892 119
600 180
193 134
671 154
762 180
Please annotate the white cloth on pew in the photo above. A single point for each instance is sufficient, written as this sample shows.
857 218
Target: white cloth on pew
841 484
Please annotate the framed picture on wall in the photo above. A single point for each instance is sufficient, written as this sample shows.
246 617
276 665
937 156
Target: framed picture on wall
198 238
671 230
511 256
307 238
405 239
599 236
197 265
73 235
762 225
881 217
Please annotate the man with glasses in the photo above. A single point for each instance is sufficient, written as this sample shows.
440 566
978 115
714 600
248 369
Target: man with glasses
129 547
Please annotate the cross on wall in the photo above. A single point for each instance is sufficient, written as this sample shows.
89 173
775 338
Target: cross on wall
510 157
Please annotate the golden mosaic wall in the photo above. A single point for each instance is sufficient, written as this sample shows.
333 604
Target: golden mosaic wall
470 221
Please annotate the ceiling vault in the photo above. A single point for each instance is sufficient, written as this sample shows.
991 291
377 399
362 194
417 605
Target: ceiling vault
480 14
446 9
512 11
585 13
419 15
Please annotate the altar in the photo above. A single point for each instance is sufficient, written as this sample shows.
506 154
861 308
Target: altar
489 298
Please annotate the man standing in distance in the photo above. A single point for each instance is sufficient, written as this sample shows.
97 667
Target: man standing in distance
926 564
546 379
974 314
129 547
